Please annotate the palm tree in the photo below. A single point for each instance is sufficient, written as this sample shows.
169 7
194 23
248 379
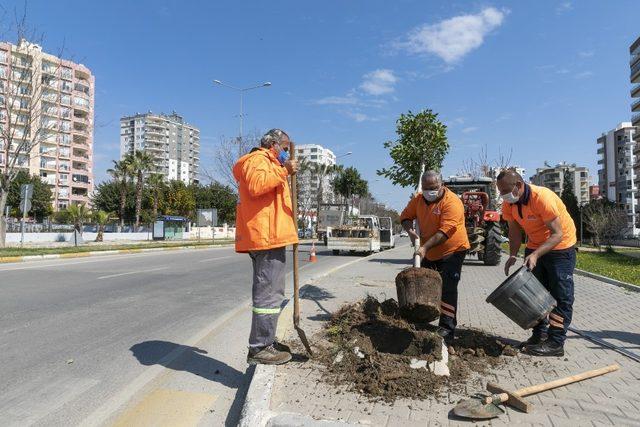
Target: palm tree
139 162
156 185
77 215
120 173
102 218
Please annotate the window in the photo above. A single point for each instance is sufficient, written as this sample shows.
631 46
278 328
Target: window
66 73
65 99
3 56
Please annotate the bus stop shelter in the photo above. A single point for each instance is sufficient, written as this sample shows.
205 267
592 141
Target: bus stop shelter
169 227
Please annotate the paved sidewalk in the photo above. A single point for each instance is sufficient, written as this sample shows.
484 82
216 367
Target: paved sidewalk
605 310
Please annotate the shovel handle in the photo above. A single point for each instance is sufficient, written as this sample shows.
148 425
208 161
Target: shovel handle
503 397
416 256
567 380
294 202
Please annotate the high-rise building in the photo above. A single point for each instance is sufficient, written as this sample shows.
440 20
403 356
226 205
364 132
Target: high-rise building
616 179
52 102
173 144
313 178
634 51
553 178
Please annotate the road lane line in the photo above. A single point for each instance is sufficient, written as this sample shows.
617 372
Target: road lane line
215 259
98 259
131 272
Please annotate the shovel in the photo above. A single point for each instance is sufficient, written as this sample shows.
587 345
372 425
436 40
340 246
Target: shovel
485 407
296 283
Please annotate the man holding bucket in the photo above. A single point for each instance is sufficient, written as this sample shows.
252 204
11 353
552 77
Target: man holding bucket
550 253
443 235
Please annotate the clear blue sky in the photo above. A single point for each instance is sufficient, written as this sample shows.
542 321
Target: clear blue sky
542 78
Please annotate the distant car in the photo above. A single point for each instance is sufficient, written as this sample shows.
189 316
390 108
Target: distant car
404 234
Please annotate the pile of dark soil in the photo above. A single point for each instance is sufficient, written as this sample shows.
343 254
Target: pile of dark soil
370 348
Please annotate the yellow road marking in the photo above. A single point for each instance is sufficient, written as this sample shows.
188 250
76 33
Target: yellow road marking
165 407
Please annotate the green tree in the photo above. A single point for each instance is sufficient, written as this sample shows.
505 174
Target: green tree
42 197
107 197
348 183
157 187
180 200
422 141
120 172
569 198
78 215
102 218
217 196
138 164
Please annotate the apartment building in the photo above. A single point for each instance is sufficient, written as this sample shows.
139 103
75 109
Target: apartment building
52 102
173 144
314 178
616 178
552 177
634 77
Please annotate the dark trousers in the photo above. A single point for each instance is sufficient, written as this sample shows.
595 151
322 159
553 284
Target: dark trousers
267 294
449 268
555 271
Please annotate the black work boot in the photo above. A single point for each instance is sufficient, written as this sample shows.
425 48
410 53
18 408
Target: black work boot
534 339
447 334
268 356
546 348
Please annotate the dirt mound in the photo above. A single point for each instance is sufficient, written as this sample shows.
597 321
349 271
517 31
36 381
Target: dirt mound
371 348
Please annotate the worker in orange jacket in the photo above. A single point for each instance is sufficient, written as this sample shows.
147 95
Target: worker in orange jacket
443 239
264 227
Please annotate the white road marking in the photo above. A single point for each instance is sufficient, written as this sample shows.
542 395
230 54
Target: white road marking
215 259
61 263
131 272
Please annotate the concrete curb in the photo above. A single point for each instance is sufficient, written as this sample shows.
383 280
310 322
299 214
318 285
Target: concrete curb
604 279
4 260
256 410
608 280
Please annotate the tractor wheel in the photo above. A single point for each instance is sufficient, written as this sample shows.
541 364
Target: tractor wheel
492 250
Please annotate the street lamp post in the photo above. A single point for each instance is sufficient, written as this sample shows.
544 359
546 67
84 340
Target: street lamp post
241 91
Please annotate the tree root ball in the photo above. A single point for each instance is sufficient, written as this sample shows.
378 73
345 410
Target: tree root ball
419 293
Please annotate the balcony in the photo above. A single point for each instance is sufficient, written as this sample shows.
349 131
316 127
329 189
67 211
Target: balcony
635 106
635 119
635 73
635 91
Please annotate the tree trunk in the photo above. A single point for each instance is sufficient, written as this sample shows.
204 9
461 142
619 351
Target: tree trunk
123 204
155 207
100 236
138 199
419 293
3 220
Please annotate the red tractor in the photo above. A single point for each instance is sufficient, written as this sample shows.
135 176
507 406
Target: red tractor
482 220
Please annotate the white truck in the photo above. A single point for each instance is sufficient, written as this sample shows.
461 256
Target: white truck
387 240
361 234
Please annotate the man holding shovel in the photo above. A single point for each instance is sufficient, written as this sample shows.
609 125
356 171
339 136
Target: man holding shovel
264 227
443 235
550 253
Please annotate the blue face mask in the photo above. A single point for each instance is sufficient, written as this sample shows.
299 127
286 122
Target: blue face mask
283 157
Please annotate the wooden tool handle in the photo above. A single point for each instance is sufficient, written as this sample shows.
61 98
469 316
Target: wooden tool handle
294 202
567 380
503 397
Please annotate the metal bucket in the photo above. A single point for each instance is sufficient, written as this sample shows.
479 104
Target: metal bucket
523 299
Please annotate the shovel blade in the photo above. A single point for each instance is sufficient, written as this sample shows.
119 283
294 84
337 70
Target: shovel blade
303 338
476 409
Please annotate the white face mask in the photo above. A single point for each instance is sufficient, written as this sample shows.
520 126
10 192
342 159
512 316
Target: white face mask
430 195
510 198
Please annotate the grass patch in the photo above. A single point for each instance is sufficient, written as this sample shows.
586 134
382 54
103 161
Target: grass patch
505 247
11 252
611 264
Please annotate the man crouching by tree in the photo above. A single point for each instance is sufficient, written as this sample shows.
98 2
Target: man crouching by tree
443 235
264 227
550 253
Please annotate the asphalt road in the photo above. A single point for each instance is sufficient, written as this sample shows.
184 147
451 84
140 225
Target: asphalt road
79 336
